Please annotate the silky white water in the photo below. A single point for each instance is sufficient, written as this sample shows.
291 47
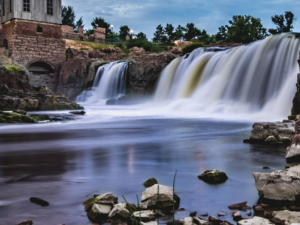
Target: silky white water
257 78
109 83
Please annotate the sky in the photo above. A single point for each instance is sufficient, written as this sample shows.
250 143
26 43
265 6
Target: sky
145 15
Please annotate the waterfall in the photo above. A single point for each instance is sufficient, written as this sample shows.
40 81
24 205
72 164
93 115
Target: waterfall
259 77
109 83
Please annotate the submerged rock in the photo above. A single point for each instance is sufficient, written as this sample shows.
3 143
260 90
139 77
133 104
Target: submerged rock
111 102
192 214
149 198
237 216
105 197
39 201
255 221
28 222
150 182
213 176
283 217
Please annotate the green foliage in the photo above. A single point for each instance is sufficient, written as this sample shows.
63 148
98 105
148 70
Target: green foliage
189 48
191 32
100 22
179 32
159 35
141 36
283 23
124 31
147 45
88 32
79 23
242 29
68 16
169 32
12 68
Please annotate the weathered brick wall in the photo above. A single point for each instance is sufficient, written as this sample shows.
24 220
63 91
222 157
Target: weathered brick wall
80 30
67 29
99 32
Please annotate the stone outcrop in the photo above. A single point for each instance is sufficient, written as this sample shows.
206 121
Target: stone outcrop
213 176
255 221
285 217
272 132
17 93
296 101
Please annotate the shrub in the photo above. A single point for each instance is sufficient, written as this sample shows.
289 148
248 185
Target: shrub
12 68
191 47
147 45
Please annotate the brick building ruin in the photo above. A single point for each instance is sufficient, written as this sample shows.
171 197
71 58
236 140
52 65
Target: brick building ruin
31 31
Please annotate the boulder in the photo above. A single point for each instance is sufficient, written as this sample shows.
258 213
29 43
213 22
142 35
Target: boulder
200 221
119 211
149 197
213 176
176 51
105 197
39 201
137 49
118 50
99 212
217 221
108 50
237 216
150 182
255 221
240 206
279 186
281 217
27 222
293 153
144 215
193 214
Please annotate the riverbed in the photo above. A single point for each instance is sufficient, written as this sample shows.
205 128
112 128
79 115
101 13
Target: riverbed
115 149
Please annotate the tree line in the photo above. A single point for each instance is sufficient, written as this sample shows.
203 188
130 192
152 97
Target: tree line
241 29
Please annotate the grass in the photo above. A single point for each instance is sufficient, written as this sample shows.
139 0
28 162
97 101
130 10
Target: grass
92 45
12 68
147 45
130 210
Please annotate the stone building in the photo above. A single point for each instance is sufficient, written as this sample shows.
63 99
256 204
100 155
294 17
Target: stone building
32 34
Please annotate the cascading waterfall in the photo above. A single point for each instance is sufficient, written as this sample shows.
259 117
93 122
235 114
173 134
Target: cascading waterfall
259 77
109 83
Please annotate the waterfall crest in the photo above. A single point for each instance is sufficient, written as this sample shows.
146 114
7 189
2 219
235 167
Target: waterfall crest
109 83
257 77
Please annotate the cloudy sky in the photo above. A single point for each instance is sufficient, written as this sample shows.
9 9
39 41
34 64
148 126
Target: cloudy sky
145 15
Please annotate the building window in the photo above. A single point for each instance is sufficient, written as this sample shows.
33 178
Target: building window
26 5
10 6
3 6
50 7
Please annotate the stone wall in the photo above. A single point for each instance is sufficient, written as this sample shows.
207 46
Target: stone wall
67 29
99 32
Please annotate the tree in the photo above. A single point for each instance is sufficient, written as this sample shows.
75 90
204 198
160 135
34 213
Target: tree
221 35
88 32
159 35
100 22
178 34
245 29
79 23
279 21
68 16
191 32
169 31
124 31
141 36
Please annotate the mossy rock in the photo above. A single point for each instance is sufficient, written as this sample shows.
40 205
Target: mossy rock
132 207
2 120
17 118
150 182
292 117
105 197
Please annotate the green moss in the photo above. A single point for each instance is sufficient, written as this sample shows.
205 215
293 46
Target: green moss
16 118
12 68
292 117
93 45
2 120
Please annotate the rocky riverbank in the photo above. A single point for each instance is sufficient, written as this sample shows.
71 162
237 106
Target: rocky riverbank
17 93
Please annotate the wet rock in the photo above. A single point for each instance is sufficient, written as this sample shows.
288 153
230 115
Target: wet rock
279 186
239 206
192 214
259 208
150 182
280 217
213 176
216 221
144 215
165 197
270 140
39 201
23 112
78 112
187 221
149 223
111 102
266 167
249 214
28 222
222 213
204 214
199 221
293 153
105 197
255 221
11 117
99 212
237 216
295 208
246 141
119 211
267 214
264 205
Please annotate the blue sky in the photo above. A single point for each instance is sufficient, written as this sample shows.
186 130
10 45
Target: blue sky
145 15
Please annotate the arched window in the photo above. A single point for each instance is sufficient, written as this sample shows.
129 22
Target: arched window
40 68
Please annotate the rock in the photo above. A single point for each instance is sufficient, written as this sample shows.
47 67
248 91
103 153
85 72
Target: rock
240 206
144 215
99 212
150 182
199 221
23 112
39 201
293 153
118 50
222 213
280 217
237 216
259 208
105 197
111 102
255 221
192 214
213 176
204 214
176 51
137 49
28 222
292 117
264 205
187 221
165 197
108 50
267 214
217 221
280 187
8 117
249 214
246 141
149 223
78 112
271 133
120 211
266 167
